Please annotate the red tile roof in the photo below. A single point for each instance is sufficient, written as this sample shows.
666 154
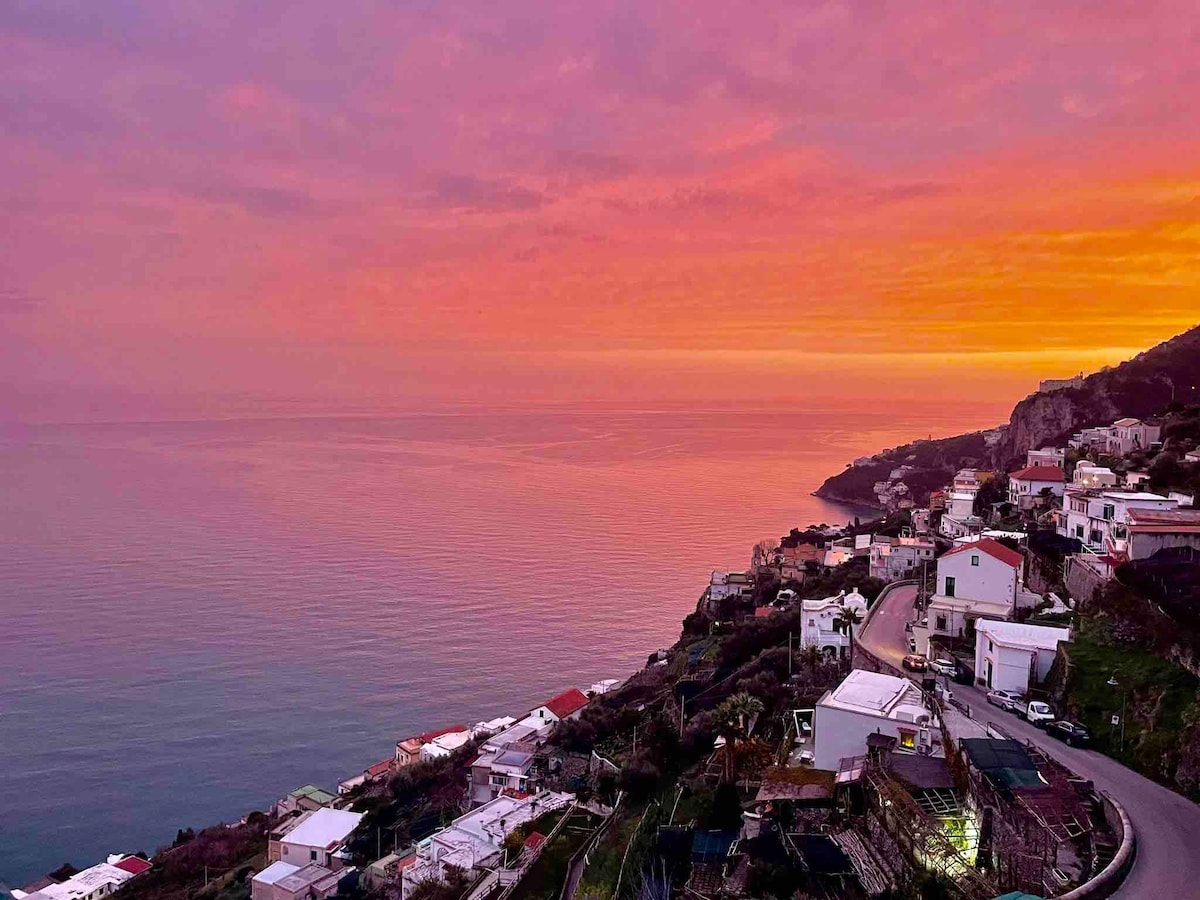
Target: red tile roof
380 768
134 864
430 735
535 840
1163 518
994 549
567 702
763 611
1040 473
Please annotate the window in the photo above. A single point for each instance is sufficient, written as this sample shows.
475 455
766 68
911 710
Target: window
975 559
312 855
908 739
950 586
499 781
1096 537
1079 532
1109 512
940 623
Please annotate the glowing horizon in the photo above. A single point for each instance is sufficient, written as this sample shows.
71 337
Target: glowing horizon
596 202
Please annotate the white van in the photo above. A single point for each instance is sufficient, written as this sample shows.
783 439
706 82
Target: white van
1037 713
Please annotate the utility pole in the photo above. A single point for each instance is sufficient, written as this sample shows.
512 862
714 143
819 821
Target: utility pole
682 701
789 656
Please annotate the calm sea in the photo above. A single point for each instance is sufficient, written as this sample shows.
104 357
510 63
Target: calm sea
196 617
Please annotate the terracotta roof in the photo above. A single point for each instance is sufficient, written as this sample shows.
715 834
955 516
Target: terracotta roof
535 840
1163 517
1040 473
567 702
430 735
994 549
380 768
134 864
763 611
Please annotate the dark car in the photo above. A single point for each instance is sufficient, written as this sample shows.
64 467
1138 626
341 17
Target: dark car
1074 734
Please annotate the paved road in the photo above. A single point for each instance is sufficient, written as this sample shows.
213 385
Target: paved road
1167 825
884 634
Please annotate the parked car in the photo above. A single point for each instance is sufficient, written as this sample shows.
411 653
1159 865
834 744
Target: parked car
1003 699
1074 734
1038 713
915 662
947 667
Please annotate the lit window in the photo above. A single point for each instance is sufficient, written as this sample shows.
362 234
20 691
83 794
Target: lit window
908 740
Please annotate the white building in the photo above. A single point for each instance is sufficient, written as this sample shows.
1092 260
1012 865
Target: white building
893 558
1137 481
723 585
444 745
92 883
317 837
1013 657
979 580
285 881
1099 519
868 703
1090 476
1127 435
819 622
474 842
1048 456
1151 530
493 773
1025 486
1090 438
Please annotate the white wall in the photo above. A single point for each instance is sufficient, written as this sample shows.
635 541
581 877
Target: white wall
839 733
1010 666
990 580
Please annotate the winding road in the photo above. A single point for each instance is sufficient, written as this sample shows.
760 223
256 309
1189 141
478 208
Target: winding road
1167 825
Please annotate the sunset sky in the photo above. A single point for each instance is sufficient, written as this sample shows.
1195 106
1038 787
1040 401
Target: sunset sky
420 202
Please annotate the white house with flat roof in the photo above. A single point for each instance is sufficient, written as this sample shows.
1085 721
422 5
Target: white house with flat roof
1047 456
317 837
92 883
474 842
1100 518
892 558
1088 475
868 703
1010 656
285 881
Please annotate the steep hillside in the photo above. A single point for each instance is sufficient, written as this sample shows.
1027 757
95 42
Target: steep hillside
1139 387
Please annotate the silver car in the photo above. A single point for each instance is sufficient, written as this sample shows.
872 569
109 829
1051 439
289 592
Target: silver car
1003 699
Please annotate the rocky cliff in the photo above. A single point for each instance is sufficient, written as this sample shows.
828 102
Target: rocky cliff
1140 387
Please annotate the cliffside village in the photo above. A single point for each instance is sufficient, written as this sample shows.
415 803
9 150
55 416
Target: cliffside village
881 761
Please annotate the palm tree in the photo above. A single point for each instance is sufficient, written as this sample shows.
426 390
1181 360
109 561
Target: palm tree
734 718
847 619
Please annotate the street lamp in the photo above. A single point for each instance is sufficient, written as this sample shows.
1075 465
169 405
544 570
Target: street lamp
1113 683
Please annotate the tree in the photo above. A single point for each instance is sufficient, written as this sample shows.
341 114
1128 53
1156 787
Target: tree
811 656
733 718
847 619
